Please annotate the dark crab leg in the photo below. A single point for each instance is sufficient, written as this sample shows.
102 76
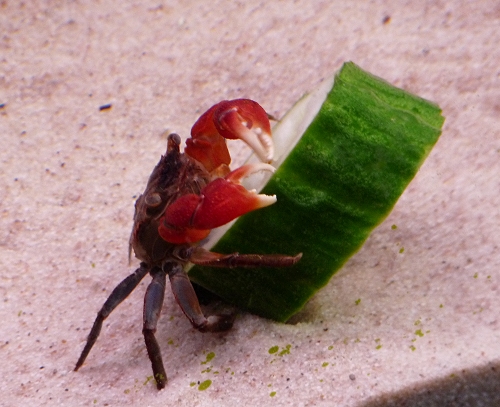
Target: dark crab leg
120 292
204 257
188 301
153 302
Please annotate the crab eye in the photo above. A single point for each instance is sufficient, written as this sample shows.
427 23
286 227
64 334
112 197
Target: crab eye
153 200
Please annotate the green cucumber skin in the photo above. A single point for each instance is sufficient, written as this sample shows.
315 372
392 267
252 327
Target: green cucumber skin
340 181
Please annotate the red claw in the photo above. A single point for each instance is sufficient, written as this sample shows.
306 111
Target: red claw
191 217
241 119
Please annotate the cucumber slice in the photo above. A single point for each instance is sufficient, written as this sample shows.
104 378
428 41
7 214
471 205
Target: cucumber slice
338 183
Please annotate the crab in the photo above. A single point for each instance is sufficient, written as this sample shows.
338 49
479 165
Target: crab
189 194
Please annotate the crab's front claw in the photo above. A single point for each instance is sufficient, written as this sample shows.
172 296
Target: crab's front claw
191 217
241 119
225 199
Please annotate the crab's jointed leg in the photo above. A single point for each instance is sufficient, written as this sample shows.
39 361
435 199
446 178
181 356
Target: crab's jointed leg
241 119
120 292
153 301
203 257
188 301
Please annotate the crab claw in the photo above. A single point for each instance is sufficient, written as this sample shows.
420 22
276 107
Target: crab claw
225 199
191 217
246 120
241 119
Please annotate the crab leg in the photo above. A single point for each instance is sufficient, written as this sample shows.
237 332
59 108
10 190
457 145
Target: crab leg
241 119
120 292
203 257
153 302
188 301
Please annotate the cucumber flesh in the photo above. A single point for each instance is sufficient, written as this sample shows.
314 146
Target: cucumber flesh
342 178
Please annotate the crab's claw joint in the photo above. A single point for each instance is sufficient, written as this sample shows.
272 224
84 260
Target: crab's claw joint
191 217
241 119
206 145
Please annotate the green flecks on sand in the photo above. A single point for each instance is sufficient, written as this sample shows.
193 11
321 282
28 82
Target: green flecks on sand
285 350
273 349
419 332
209 357
205 385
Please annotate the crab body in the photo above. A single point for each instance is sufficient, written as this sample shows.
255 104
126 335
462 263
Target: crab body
187 195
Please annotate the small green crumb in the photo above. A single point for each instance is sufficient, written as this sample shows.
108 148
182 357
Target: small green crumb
441 305
285 351
378 347
205 385
192 384
126 391
170 342
92 264
325 364
475 275
272 394
330 347
413 348
273 349
419 332
417 322
209 357
394 227
402 250
357 301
